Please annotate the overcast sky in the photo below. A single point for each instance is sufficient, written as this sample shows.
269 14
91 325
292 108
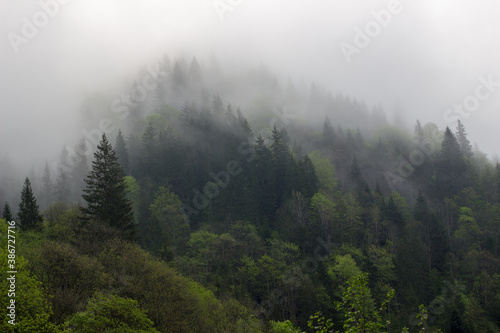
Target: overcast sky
427 55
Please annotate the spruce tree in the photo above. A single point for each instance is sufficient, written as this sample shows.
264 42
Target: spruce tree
47 187
6 212
106 194
230 117
80 169
149 156
62 189
419 132
243 123
282 163
328 131
29 216
465 146
217 105
122 153
262 181
179 77
308 183
451 168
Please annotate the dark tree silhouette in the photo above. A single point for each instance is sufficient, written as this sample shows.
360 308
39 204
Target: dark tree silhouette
29 216
6 212
105 194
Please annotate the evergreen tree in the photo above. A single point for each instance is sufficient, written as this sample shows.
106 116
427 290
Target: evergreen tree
80 169
243 123
281 158
358 140
308 181
465 146
363 192
230 117
188 113
29 216
217 105
434 236
195 72
421 211
122 153
47 187
355 170
105 194
149 150
262 180
328 131
179 76
419 132
62 189
6 212
451 168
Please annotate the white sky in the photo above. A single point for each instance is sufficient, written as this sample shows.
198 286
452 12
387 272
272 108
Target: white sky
428 57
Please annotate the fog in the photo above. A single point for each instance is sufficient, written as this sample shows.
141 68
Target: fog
425 57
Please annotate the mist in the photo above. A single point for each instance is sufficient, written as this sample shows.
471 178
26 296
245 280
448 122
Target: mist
424 58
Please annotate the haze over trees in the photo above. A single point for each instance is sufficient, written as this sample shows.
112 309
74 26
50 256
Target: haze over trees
245 204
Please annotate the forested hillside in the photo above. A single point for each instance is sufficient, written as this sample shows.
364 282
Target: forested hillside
204 201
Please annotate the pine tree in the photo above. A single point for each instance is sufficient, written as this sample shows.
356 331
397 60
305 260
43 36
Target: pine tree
122 153
29 216
105 194
465 146
47 187
6 212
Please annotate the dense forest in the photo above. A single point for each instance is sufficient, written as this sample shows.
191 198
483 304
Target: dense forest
202 201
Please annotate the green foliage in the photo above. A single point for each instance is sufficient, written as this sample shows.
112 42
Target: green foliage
167 210
360 314
267 243
173 303
324 211
32 308
70 277
345 269
133 194
319 324
6 212
283 327
468 232
62 222
110 313
325 171
385 271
